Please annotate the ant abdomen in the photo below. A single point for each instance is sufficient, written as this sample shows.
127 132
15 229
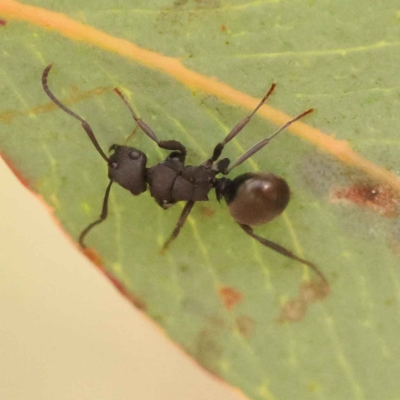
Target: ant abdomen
257 198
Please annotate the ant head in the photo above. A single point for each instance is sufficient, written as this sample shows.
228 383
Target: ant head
127 167
257 198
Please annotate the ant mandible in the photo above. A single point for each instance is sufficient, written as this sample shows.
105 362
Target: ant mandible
253 198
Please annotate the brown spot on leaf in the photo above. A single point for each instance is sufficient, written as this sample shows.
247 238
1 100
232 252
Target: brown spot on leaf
314 291
379 198
3 22
223 28
310 292
245 325
93 256
293 311
230 297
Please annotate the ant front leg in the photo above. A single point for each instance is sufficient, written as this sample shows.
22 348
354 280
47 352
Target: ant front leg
172 145
103 216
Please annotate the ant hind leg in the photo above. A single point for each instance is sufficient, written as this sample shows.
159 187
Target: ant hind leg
280 249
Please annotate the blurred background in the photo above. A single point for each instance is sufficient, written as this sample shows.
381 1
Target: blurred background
64 328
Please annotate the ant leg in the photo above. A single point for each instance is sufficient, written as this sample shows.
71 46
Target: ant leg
181 221
258 146
84 123
164 144
103 216
283 251
220 146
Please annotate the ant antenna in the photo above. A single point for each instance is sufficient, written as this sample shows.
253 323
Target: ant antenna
258 146
57 102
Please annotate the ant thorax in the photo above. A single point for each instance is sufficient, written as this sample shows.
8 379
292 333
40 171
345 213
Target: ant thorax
171 181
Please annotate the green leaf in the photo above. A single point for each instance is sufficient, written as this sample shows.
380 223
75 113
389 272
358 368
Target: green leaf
246 313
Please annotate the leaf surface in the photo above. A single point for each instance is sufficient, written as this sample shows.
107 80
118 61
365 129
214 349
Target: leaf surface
245 313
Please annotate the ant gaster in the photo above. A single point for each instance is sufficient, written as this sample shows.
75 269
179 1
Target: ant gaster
253 198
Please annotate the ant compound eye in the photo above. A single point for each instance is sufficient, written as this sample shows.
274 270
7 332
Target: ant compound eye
114 165
134 155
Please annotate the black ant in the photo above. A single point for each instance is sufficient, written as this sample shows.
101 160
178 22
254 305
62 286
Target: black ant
253 198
